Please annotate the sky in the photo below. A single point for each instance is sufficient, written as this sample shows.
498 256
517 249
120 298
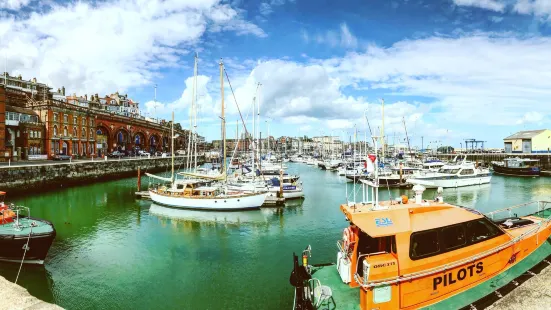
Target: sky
449 69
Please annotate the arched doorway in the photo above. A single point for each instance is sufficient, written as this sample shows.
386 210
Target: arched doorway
64 148
154 142
121 139
102 140
139 141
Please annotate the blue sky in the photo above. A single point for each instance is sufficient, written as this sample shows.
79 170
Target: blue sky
453 69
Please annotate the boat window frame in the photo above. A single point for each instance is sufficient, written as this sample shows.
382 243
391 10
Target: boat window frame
439 230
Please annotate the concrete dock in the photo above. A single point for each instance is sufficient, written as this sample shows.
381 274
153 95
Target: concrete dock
534 294
14 297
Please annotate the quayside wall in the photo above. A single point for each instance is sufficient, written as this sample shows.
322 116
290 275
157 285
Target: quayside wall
29 179
486 159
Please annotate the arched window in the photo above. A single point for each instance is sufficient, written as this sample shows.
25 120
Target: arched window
75 132
65 131
55 131
83 132
91 133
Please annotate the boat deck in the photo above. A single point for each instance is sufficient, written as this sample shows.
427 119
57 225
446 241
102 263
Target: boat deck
343 296
40 228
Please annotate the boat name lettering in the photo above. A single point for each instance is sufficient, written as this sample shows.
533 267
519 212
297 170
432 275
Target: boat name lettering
450 278
289 187
384 265
383 222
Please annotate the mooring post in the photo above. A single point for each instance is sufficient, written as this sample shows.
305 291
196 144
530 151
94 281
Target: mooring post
139 179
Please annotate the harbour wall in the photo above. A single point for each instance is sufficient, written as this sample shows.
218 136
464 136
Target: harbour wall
20 180
486 159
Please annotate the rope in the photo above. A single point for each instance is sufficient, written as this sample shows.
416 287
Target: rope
26 247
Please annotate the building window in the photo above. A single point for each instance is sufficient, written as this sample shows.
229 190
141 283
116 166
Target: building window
55 131
55 117
75 133
75 148
75 120
39 134
91 133
65 118
83 132
65 131
84 121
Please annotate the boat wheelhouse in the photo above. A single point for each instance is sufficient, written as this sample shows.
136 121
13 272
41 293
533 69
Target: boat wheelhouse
518 167
404 254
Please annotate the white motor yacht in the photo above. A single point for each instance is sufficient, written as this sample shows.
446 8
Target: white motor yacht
458 174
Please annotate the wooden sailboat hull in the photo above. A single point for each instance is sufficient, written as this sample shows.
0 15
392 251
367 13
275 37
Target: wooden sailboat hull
229 203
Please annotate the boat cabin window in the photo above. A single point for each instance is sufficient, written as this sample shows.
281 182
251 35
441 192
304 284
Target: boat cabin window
424 244
454 237
481 230
449 171
179 186
467 172
370 245
436 241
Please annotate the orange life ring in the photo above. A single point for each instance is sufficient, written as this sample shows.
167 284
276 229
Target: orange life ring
348 238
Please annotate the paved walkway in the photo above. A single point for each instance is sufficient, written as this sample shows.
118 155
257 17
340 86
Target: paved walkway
14 297
534 294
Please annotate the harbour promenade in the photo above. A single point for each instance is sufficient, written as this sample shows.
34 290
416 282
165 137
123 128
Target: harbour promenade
25 177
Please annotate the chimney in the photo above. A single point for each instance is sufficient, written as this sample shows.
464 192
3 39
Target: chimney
34 80
58 90
63 90
20 77
85 97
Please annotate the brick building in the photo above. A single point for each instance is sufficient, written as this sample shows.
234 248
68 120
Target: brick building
38 123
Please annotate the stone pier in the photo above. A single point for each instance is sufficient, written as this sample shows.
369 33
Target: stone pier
16 297
30 179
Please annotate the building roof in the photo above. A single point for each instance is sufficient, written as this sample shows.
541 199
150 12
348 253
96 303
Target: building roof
10 108
527 134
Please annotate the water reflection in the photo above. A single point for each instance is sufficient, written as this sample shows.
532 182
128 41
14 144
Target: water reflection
212 217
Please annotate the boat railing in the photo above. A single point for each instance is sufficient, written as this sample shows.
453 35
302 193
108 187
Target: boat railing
540 206
416 275
340 246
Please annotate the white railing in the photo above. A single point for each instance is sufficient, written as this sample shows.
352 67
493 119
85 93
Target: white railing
38 157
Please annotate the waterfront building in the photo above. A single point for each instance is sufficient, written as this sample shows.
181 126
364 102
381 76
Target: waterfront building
529 141
37 123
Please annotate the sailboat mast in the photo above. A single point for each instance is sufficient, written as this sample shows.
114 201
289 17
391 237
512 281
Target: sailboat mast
383 129
195 110
258 125
223 118
407 138
172 149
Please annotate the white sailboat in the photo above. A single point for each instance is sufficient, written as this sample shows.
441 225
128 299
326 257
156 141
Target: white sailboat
205 192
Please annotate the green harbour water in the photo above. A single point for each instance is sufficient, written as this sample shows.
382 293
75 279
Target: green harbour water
113 251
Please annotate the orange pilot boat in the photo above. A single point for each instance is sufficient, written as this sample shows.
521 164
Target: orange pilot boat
404 254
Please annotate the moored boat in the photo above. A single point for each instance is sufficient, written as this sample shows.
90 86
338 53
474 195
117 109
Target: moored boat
518 167
456 174
23 238
404 254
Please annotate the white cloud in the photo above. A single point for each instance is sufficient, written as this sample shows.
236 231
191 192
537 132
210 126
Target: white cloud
531 118
13 4
111 45
541 8
265 9
343 37
494 5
